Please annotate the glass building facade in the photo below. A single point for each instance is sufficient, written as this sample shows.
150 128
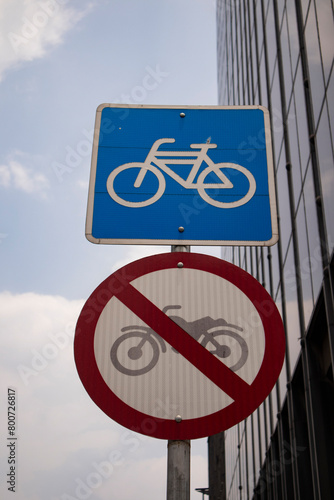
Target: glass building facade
279 54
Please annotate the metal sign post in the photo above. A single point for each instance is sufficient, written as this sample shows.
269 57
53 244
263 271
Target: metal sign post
178 452
178 470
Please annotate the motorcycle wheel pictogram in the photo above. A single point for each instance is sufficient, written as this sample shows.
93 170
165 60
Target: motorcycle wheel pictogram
135 353
224 351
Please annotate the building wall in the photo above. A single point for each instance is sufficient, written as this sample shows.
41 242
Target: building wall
279 54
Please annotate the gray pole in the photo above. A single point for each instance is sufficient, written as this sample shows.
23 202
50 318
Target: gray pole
178 452
217 480
178 470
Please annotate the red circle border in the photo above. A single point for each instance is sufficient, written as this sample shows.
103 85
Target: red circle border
205 426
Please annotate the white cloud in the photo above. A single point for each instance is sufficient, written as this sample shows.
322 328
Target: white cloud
4 176
30 28
81 184
19 172
26 180
29 320
136 252
55 413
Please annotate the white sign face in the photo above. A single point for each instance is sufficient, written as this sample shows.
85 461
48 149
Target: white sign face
179 345
146 372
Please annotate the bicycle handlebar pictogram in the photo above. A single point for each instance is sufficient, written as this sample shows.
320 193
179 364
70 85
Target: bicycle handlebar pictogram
157 162
142 343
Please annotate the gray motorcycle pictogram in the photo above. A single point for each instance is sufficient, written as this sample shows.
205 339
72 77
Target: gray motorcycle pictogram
213 331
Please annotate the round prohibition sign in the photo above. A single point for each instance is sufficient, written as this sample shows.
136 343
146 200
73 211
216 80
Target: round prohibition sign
245 393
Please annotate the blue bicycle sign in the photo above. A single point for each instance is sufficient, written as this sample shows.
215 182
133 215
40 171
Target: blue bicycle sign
158 163
207 169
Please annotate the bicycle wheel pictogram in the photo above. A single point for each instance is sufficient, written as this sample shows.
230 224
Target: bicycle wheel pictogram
138 169
218 169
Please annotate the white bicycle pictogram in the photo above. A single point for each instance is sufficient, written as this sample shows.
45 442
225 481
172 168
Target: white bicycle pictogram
156 162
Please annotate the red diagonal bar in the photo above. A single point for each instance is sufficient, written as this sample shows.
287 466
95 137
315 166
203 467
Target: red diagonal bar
178 338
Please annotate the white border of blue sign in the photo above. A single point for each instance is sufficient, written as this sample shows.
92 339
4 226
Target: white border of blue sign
182 240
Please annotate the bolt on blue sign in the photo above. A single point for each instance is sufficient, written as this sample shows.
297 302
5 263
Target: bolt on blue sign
182 175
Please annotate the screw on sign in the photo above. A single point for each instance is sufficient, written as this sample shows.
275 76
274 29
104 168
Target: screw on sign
179 345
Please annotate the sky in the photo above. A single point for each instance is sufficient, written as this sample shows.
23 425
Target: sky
59 60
